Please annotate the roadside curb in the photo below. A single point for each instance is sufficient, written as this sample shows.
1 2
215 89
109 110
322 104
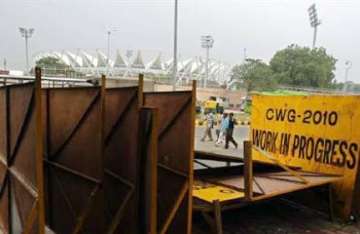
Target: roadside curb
244 123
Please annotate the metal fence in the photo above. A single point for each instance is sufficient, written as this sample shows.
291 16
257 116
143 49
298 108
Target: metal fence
108 154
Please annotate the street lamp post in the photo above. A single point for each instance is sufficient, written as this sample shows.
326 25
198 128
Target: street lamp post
314 22
348 65
207 42
175 63
26 33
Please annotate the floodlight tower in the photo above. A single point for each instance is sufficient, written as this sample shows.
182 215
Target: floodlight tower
348 65
109 31
207 43
26 33
314 21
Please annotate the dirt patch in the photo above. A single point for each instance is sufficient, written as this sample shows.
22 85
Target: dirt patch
276 216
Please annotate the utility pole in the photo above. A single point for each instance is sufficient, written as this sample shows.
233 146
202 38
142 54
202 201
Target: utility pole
26 33
314 22
108 53
245 55
175 62
348 65
109 31
207 42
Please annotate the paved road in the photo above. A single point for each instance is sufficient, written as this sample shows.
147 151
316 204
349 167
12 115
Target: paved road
240 134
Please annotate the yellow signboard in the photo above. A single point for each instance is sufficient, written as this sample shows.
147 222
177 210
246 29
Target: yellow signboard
316 133
211 193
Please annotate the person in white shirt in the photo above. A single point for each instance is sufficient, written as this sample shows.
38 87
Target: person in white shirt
209 126
224 125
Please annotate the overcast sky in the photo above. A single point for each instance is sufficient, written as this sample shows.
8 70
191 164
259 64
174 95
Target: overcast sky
260 26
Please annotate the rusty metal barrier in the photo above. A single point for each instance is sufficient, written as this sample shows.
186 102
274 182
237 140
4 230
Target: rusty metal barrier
74 159
21 195
147 205
97 131
121 157
99 149
175 158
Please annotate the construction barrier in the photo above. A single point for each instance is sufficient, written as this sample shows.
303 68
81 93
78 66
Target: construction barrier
74 159
121 157
315 133
148 177
176 112
21 196
111 164
109 146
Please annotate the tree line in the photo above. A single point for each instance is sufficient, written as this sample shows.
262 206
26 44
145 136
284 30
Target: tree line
293 66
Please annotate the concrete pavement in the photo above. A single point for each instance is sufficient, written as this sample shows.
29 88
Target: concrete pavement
240 134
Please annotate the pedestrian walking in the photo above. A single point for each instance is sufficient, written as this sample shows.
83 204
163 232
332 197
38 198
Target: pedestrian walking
210 119
218 120
224 125
230 131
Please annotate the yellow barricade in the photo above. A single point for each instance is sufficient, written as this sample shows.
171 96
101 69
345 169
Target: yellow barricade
316 133
211 193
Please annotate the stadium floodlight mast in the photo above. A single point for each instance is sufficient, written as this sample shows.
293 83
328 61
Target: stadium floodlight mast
348 65
314 21
26 33
175 63
109 31
207 42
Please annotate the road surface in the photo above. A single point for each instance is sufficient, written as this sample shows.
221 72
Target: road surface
241 133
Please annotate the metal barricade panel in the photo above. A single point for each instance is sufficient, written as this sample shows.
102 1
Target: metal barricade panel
74 160
121 158
174 159
19 194
148 146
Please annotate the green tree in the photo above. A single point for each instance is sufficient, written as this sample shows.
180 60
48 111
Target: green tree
253 75
54 66
302 66
51 62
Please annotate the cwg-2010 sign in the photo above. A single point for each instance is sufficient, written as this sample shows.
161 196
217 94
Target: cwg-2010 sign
316 133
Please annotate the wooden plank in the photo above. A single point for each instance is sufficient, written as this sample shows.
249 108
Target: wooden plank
248 171
218 217
283 166
203 155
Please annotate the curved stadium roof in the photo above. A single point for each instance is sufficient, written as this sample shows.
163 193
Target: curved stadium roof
92 63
